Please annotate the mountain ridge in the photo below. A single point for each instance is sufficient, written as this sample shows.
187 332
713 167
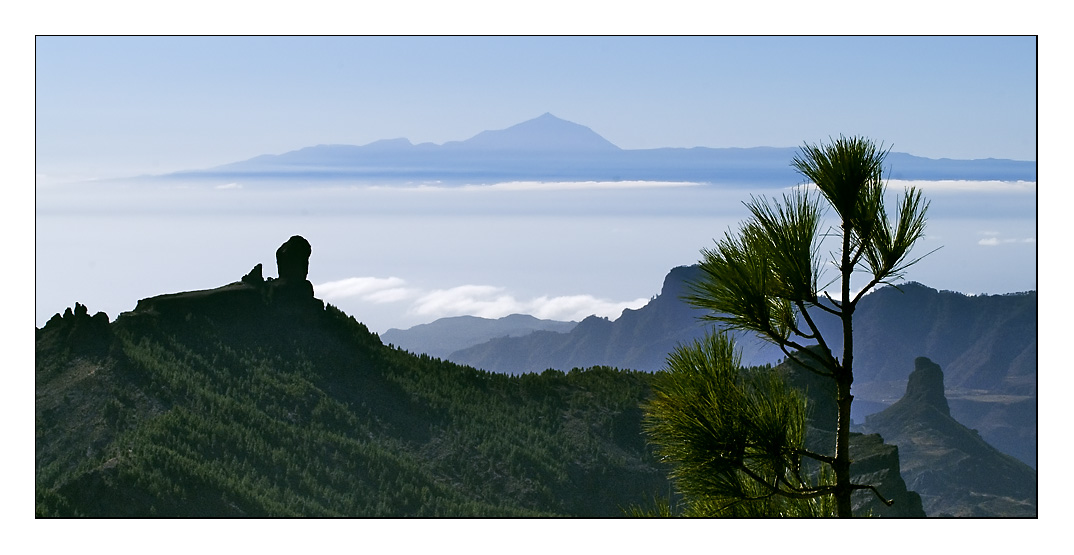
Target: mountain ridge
444 336
987 342
547 148
257 399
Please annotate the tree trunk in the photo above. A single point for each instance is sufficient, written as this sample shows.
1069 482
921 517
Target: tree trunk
844 378
842 451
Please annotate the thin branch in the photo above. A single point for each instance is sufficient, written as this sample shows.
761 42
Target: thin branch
801 494
888 502
813 327
783 479
800 333
815 456
859 252
864 290
837 311
802 363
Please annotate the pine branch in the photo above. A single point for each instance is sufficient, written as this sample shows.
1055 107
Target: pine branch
801 349
815 456
811 493
888 502
837 311
813 327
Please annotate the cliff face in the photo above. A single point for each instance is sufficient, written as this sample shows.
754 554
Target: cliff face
873 461
878 464
954 470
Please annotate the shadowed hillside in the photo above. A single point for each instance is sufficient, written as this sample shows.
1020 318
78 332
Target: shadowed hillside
989 343
254 399
955 471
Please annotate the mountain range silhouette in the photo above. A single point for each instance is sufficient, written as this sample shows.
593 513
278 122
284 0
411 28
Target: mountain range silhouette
548 148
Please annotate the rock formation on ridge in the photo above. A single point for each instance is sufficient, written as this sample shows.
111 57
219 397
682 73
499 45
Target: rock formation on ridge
874 461
292 292
293 259
954 470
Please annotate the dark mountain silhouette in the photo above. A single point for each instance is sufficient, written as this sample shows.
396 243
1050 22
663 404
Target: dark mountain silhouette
447 335
548 148
956 472
256 399
988 342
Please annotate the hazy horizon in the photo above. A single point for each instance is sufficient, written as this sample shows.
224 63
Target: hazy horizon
402 256
109 107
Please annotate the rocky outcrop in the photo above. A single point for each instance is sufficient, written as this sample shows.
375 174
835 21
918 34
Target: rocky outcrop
84 335
873 462
925 387
877 463
954 470
254 277
293 259
290 294
293 264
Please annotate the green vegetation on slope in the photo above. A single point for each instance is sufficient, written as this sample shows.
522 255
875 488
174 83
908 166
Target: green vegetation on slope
281 412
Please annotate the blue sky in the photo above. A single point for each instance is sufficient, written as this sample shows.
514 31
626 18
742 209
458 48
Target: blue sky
123 106
116 106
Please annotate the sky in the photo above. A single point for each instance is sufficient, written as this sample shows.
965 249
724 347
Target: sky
119 106
126 106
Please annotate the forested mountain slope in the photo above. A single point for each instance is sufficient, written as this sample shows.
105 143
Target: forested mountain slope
199 416
255 399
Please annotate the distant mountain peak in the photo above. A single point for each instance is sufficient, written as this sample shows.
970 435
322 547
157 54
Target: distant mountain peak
542 133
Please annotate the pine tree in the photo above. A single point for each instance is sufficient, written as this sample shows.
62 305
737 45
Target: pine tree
766 279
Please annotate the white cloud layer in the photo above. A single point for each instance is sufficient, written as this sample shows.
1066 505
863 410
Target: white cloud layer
544 186
485 301
996 241
993 239
955 186
577 185
951 185
368 289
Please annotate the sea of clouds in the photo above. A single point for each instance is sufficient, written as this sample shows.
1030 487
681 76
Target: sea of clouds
401 256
